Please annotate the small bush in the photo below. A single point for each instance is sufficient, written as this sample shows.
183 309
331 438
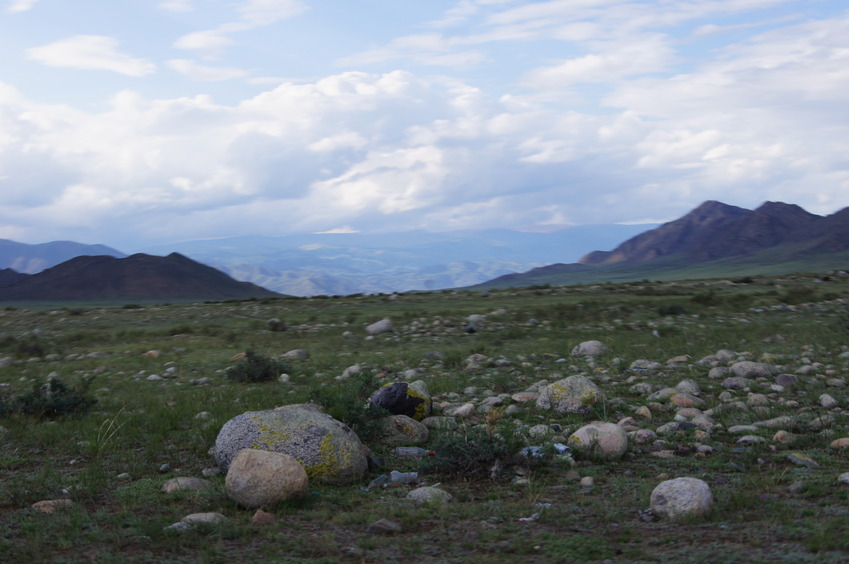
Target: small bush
50 400
673 309
797 295
348 402
276 325
468 452
256 368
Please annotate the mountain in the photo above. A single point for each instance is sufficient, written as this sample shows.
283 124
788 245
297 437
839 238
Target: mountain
9 276
137 277
348 263
711 231
714 239
29 259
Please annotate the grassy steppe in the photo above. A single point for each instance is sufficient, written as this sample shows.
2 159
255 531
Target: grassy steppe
138 425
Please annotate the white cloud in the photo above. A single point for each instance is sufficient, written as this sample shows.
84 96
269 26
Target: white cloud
177 5
90 52
257 13
18 6
211 42
196 71
251 15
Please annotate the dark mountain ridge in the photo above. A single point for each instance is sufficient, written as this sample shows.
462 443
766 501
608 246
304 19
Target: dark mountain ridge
137 277
714 237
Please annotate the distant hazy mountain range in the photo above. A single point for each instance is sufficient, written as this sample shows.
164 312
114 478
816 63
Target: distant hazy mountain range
29 259
715 239
348 263
137 277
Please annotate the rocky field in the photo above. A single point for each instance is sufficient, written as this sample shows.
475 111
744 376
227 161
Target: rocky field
701 421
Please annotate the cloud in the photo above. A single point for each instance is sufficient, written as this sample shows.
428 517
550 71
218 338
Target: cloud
196 71
761 120
177 5
18 6
90 52
251 14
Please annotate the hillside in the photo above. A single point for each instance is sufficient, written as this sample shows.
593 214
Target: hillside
713 240
137 277
30 259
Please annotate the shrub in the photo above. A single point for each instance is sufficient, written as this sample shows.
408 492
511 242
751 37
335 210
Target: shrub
797 295
467 452
256 368
276 325
348 402
50 400
673 309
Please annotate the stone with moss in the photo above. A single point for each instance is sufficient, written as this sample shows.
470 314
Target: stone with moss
328 449
575 394
402 398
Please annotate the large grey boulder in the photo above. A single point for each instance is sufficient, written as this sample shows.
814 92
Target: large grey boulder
600 441
328 449
681 497
575 394
259 478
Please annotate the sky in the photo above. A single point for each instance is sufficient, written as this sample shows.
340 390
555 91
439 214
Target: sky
143 122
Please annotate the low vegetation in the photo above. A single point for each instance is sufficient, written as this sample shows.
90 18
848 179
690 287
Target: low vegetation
100 406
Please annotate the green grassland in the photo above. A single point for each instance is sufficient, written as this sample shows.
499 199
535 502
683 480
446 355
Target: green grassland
109 459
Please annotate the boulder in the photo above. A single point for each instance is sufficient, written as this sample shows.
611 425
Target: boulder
259 478
575 394
590 348
402 430
600 441
379 327
681 497
429 494
402 398
328 449
751 370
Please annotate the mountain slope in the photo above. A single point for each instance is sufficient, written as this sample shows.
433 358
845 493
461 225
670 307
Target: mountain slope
137 277
713 240
30 259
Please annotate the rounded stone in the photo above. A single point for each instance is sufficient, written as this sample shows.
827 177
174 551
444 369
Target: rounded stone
575 394
603 441
259 478
427 494
328 449
681 497
590 348
402 430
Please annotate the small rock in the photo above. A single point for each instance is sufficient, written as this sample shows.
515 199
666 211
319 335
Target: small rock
843 478
51 505
185 483
427 494
802 460
383 527
827 401
211 517
840 443
587 481
796 487
263 518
